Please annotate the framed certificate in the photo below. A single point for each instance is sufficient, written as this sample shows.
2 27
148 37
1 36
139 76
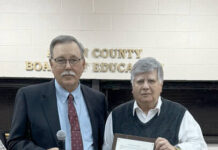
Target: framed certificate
129 142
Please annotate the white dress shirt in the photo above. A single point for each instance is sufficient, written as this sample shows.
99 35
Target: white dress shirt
190 134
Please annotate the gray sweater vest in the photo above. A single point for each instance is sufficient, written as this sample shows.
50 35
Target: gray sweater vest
166 124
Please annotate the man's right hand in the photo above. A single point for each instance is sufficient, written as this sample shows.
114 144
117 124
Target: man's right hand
54 148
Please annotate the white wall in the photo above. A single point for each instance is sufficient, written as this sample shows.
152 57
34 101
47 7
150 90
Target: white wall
212 146
182 34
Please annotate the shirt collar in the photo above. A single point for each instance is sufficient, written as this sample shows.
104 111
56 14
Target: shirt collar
64 93
157 107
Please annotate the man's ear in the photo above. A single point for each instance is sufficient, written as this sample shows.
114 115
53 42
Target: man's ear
161 87
132 87
84 63
50 62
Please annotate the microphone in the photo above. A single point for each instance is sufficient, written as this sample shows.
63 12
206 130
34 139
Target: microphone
61 139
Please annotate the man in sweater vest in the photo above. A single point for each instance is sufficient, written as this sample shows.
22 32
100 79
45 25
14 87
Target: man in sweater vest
150 115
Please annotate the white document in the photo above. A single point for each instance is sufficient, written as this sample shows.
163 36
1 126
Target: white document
127 144
132 143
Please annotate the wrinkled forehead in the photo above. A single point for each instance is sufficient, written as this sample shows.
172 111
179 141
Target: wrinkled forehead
70 47
148 75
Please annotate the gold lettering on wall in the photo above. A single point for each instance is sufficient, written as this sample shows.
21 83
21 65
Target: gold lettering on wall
37 66
29 66
113 53
112 67
95 67
97 53
120 67
116 53
138 53
46 66
128 68
122 53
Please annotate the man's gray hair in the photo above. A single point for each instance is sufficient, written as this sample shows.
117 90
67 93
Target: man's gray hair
145 65
65 39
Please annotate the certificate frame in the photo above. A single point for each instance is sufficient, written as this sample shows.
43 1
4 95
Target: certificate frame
130 137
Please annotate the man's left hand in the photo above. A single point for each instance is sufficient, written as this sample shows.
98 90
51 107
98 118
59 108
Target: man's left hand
163 144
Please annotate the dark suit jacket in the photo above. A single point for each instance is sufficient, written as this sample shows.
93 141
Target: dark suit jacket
35 120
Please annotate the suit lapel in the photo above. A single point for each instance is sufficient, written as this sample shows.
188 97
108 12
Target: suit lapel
49 105
89 104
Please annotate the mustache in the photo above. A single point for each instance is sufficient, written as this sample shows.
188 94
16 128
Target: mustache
68 73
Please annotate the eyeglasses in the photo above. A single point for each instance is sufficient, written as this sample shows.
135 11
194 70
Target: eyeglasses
62 61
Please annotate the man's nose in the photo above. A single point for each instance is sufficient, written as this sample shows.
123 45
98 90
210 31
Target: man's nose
67 64
146 85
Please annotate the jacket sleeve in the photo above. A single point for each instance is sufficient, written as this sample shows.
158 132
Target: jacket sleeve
20 130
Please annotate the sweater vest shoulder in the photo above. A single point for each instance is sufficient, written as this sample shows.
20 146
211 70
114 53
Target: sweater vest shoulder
166 124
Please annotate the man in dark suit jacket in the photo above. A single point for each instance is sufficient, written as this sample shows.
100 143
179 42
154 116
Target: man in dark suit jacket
39 111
